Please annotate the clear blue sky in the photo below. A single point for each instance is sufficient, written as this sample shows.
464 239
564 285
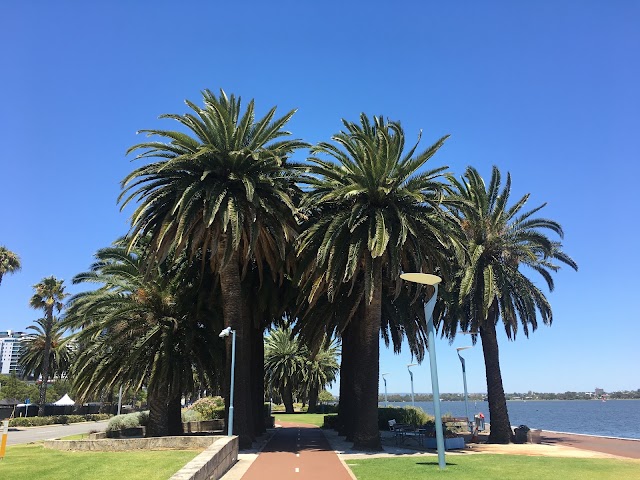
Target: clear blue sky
546 90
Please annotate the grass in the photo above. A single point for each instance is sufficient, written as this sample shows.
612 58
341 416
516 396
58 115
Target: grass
28 462
488 467
308 418
79 436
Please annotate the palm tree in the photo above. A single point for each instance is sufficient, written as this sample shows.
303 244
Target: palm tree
285 362
224 189
491 286
60 352
48 297
144 326
320 370
373 216
9 262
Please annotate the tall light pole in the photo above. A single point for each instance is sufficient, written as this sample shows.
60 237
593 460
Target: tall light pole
413 400
225 333
386 402
464 381
433 280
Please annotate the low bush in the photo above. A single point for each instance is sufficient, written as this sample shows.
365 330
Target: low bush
55 419
129 420
409 415
189 415
209 408
331 421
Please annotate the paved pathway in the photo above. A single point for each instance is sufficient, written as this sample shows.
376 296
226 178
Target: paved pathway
33 434
613 446
297 452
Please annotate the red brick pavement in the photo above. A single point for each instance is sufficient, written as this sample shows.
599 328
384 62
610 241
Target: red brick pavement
297 452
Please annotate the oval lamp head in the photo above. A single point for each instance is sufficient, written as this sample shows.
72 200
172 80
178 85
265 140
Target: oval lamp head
462 348
424 278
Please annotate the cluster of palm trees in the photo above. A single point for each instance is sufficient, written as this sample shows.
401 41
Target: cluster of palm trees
228 231
293 372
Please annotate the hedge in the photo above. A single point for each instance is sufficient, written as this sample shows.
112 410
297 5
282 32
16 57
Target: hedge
56 419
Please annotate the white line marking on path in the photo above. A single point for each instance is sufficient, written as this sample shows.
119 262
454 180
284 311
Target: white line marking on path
297 470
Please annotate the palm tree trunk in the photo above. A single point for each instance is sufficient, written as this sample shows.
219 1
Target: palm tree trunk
158 424
366 435
235 317
45 360
287 398
500 431
174 414
347 405
257 379
313 399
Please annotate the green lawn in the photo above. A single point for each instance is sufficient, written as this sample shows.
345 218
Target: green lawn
29 462
310 418
79 436
489 467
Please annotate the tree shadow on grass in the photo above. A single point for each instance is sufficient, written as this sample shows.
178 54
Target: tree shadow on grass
448 464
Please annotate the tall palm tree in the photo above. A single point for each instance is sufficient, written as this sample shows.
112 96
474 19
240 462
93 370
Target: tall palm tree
48 296
223 188
144 326
285 362
492 285
9 262
60 352
373 216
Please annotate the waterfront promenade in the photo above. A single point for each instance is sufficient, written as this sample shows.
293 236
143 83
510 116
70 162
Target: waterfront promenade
320 454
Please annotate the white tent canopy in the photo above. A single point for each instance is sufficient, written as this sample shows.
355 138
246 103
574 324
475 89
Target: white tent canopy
65 401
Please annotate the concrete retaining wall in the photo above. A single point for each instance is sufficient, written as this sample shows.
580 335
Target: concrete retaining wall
122 444
213 463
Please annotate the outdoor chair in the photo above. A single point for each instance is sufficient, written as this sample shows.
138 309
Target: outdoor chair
402 431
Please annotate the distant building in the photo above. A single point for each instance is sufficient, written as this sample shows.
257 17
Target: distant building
599 392
10 345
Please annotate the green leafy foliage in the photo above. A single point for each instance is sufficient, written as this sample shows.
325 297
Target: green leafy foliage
409 415
208 408
56 419
129 420
14 388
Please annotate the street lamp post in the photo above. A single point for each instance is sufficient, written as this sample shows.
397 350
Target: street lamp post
386 402
433 280
225 333
464 381
413 400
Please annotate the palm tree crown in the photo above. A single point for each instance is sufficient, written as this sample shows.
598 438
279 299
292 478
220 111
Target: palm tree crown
499 241
9 262
227 181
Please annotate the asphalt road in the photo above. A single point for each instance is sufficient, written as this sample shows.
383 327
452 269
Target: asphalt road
20 435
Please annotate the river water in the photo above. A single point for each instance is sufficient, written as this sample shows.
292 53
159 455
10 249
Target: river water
613 418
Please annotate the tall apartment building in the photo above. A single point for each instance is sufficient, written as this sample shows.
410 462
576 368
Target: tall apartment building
10 344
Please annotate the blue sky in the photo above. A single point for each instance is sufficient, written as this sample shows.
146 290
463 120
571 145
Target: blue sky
545 90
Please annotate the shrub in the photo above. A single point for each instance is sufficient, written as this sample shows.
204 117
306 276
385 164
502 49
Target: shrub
56 419
129 420
410 415
331 421
189 415
209 408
